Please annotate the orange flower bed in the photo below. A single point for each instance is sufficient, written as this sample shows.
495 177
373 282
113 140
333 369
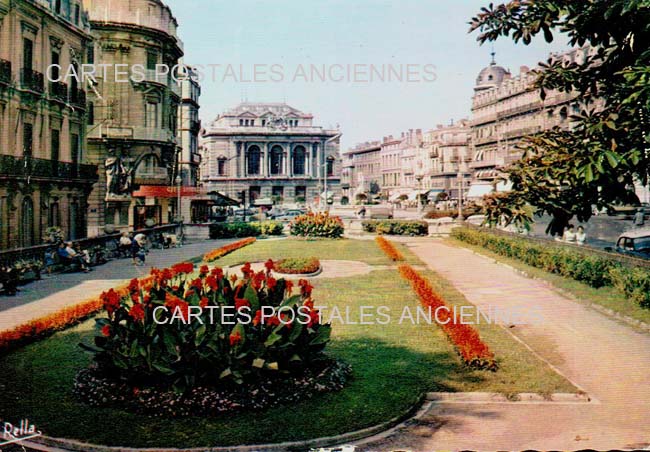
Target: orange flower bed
34 329
390 250
220 252
474 352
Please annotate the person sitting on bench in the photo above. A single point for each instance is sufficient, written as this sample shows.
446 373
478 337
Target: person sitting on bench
69 256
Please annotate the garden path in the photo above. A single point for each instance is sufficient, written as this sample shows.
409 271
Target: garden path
55 292
608 359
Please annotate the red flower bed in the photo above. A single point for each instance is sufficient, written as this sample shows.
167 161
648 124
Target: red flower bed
465 338
390 250
220 252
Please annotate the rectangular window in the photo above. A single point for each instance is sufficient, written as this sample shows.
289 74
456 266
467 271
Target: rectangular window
28 53
74 148
55 61
77 14
152 60
55 139
28 139
152 115
57 6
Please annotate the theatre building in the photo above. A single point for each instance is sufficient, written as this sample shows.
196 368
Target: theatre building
271 151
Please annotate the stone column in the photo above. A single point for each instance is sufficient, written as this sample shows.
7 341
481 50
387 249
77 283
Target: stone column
266 161
238 160
289 160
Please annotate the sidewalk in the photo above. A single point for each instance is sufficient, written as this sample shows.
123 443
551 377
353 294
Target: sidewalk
55 292
611 361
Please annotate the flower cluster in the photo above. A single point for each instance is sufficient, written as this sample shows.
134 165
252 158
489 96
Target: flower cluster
388 248
317 224
220 252
297 266
181 328
465 338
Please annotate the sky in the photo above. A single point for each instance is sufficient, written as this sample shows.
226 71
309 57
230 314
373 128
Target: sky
284 39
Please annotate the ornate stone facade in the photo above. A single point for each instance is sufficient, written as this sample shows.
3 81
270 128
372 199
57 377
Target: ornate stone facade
133 132
45 175
271 151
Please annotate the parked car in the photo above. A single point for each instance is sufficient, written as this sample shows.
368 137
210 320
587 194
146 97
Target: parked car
241 213
633 243
289 215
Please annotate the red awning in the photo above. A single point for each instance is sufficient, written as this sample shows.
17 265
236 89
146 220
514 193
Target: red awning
166 191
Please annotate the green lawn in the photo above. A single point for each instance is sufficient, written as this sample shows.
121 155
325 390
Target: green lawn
393 365
608 297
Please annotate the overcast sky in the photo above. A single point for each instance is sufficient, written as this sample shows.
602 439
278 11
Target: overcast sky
284 38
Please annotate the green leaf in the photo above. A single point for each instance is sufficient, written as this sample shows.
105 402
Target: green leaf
251 295
322 336
272 339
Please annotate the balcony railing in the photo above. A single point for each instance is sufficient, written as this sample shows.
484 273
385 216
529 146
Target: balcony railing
32 80
78 97
11 166
5 71
132 133
537 105
59 91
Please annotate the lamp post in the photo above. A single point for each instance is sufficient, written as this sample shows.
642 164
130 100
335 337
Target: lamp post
419 178
178 181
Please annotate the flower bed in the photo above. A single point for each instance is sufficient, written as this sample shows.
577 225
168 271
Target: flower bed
390 250
297 266
173 333
594 270
220 252
242 229
474 352
35 329
319 224
396 227
272 390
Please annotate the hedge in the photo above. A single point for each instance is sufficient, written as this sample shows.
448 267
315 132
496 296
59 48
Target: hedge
596 271
241 229
396 227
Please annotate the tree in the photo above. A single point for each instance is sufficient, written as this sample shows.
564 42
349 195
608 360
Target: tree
563 173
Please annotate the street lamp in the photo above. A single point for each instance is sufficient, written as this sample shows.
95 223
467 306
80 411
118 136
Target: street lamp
178 181
419 178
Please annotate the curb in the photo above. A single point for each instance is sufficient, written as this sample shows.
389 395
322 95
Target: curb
639 324
519 398
416 411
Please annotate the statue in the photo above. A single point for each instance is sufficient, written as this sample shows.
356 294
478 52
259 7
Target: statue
118 178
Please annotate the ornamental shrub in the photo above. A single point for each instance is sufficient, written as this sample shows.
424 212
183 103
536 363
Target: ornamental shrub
209 329
317 224
396 227
596 271
242 229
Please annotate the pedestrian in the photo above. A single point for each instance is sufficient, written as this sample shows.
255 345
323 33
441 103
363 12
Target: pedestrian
569 234
639 218
138 253
362 212
581 236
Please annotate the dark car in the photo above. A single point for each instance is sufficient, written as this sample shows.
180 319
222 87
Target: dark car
634 243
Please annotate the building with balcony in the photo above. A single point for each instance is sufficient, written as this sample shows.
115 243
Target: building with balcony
391 166
271 151
46 174
189 127
132 131
448 156
361 174
506 109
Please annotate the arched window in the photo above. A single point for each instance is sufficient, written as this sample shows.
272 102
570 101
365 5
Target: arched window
253 162
276 160
299 158
330 166
27 223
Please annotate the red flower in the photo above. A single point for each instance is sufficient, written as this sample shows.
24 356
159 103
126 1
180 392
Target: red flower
288 287
204 302
174 303
184 267
258 318
271 282
305 287
134 285
212 282
217 272
147 299
235 339
137 312
204 270
111 300
246 270
197 283
269 265
314 318
233 278
106 330
240 303
258 279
